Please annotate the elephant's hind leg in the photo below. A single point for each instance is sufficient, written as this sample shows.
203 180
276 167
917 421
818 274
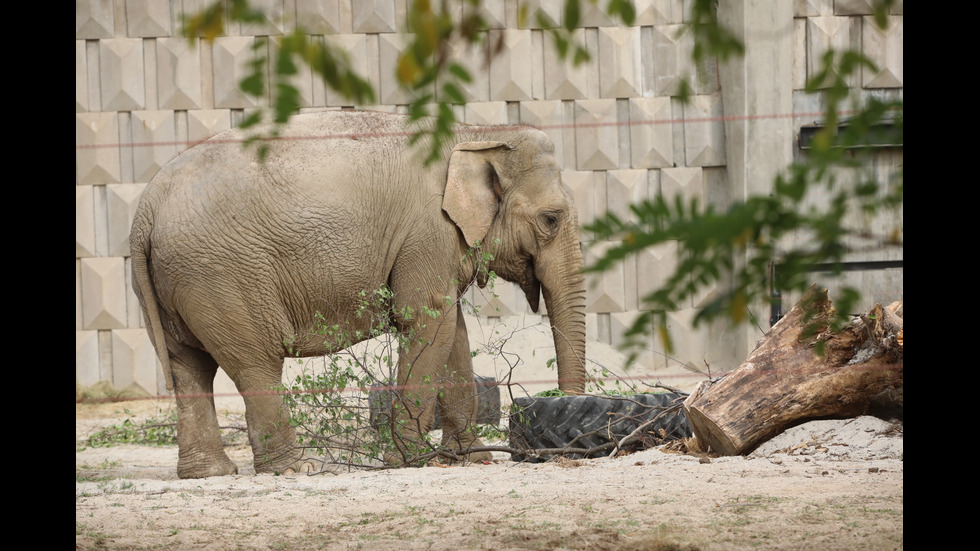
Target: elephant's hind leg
200 452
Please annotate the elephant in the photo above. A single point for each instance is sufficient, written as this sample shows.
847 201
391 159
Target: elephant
233 256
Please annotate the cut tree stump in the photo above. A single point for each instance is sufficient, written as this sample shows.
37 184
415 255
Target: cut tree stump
785 382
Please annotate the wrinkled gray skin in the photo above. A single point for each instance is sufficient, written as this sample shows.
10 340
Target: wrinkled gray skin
232 257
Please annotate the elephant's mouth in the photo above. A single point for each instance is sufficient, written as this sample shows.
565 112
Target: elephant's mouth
531 287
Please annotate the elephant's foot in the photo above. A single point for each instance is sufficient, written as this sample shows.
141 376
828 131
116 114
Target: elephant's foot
477 457
394 459
288 463
458 445
304 467
198 466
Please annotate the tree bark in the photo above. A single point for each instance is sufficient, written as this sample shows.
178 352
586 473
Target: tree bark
802 371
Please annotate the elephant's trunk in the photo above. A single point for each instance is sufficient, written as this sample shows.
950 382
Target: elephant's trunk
563 287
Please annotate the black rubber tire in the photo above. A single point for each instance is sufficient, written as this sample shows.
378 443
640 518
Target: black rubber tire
555 422
488 404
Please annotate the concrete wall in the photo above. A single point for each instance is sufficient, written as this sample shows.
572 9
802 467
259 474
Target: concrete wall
143 93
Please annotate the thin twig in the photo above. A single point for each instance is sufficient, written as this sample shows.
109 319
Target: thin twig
629 438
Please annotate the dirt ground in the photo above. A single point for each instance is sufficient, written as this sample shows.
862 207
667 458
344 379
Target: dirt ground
822 485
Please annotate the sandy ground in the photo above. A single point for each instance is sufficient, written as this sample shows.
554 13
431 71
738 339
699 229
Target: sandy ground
822 485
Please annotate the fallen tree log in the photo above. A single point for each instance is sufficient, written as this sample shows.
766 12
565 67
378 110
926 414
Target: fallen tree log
801 371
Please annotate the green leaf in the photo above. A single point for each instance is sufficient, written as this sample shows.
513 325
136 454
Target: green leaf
253 84
572 14
287 102
452 93
624 9
460 73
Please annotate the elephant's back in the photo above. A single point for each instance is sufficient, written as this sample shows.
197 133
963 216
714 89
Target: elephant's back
347 123
339 168
328 172
331 132
307 136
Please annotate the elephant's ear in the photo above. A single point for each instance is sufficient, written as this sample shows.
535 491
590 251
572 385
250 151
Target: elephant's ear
470 199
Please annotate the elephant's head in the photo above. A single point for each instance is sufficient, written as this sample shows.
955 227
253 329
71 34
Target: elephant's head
503 188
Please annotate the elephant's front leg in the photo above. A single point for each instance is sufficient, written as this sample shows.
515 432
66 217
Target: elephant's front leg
421 369
457 397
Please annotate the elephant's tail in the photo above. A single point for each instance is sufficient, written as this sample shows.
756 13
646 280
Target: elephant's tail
139 248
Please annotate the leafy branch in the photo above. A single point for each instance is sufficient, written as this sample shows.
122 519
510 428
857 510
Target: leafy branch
757 230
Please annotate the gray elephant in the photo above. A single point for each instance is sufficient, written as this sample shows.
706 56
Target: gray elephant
232 257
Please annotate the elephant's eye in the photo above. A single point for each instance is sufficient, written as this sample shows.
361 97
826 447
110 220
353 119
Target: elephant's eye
550 220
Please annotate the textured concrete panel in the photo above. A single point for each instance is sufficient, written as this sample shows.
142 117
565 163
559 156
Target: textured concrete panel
134 313
374 16
134 360
690 344
656 366
121 204
121 74
619 323
654 266
475 59
671 55
651 133
584 186
876 287
510 71
79 321
87 358
854 7
829 33
178 77
94 19
153 142
81 77
659 12
230 55
596 134
865 230
624 188
706 350
357 48
103 293
95 164
493 12
605 291
147 18
390 47
205 123
884 48
687 182
620 72
486 112
563 79
101 220
271 12
543 14
704 131
84 221
799 54
547 116
594 15
504 299
322 16
810 8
